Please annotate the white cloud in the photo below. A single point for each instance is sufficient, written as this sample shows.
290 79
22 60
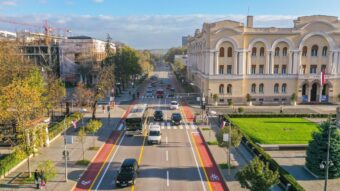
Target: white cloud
152 31
98 1
8 3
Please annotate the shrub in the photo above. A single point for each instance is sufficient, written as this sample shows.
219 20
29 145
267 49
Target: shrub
240 109
212 143
248 97
293 97
48 168
11 160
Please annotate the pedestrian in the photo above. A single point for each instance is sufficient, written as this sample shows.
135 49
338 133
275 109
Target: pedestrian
43 180
103 108
36 179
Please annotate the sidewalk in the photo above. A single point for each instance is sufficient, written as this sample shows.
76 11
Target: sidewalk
56 148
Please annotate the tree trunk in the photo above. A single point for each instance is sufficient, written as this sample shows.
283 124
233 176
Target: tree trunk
94 109
82 145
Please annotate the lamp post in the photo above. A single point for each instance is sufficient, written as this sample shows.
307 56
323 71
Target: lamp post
326 164
65 149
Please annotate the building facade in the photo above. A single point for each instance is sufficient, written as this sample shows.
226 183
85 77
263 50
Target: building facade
270 64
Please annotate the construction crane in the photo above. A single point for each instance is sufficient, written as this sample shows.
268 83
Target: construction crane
48 30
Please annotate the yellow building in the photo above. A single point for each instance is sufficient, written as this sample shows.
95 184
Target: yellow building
232 60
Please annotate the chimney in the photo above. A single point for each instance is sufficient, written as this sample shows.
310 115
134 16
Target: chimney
250 21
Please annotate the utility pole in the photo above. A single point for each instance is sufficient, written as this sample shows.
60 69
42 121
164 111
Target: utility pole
65 149
229 148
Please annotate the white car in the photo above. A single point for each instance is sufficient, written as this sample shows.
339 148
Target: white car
174 105
149 93
155 135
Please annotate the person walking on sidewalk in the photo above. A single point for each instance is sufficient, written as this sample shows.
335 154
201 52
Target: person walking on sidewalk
43 180
36 179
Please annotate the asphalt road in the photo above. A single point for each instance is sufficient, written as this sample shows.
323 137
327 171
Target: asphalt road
172 165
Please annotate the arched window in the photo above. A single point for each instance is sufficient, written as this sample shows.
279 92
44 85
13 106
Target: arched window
253 51
284 51
221 52
262 51
253 88
324 51
230 52
261 89
304 51
277 51
229 89
284 88
276 88
314 51
221 89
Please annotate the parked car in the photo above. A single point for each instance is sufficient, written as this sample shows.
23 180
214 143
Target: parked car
158 115
159 93
174 105
127 173
176 119
149 93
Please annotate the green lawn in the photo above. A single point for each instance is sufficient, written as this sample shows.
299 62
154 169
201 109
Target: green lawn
277 130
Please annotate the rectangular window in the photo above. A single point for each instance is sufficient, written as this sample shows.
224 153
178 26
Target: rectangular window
229 69
253 69
284 69
323 68
221 69
304 69
261 69
313 69
276 69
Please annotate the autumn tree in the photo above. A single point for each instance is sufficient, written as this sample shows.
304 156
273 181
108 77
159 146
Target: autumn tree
92 127
82 94
257 176
55 92
82 138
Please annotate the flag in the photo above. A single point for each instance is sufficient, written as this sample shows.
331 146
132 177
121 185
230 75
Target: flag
74 123
323 77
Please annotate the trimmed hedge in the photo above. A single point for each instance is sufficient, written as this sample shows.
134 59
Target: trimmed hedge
57 128
10 161
285 177
311 115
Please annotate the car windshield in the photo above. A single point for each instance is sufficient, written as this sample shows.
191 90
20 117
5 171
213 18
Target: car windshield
158 113
149 91
154 133
126 169
173 103
176 116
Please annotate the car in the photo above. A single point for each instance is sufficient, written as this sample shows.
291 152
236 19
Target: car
127 173
176 119
174 105
154 135
159 93
158 115
149 93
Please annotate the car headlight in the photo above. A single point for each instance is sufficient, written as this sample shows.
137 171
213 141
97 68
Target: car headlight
117 181
130 181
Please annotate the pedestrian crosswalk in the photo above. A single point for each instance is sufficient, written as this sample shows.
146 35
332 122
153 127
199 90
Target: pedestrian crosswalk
168 125
153 97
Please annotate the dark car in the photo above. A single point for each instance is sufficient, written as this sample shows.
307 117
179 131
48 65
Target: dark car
176 118
128 173
158 115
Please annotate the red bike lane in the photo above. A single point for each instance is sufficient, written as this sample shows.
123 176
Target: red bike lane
93 171
211 170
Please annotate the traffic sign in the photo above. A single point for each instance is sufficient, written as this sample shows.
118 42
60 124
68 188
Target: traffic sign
226 137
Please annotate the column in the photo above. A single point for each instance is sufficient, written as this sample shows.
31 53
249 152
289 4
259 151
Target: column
235 64
242 62
271 63
295 62
216 62
335 62
338 63
290 62
330 62
268 61
211 62
249 62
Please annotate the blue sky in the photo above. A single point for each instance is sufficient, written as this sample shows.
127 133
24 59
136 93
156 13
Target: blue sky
155 23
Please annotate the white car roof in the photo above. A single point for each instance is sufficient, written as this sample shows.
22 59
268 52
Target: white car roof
174 102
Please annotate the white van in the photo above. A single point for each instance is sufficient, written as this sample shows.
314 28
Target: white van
154 135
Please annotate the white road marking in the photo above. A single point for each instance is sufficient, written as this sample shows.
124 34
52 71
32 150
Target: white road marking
175 127
162 125
192 126
108 164
168 125
120 127
180 127
166 140
166 155
198 168
167 178
186 126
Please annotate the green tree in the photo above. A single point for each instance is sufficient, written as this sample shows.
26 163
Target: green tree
317 151
257 176
92 127
215 97
248 97
82 139
170 55
236 136
55 92
48 167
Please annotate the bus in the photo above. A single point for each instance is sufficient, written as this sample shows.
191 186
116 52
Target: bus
136 119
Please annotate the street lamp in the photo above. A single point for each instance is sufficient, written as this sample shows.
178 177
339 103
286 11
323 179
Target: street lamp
326 164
